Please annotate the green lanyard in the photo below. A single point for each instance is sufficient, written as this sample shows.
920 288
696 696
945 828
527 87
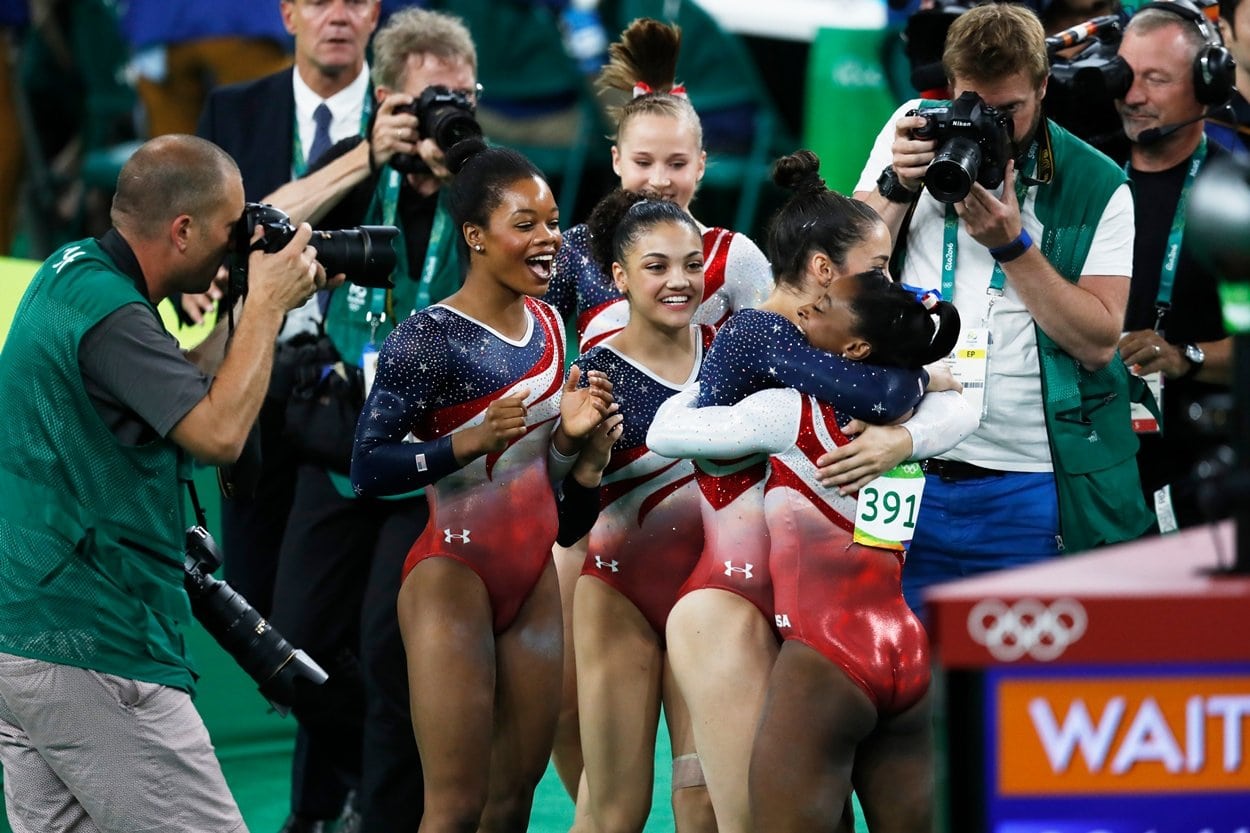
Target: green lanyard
950 237
380 299
1172 255
298 163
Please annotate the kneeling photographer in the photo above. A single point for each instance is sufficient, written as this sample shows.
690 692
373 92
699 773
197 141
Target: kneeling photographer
339 566
1036 255
103 415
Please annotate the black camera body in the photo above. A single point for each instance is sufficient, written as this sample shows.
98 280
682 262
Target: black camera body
366 254
973 145
444 115
1083 90
278 668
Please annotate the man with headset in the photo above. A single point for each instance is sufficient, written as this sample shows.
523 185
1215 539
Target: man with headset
1175 331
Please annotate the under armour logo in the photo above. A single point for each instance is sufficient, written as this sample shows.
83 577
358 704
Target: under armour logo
462 536
730 569
67 257
609 565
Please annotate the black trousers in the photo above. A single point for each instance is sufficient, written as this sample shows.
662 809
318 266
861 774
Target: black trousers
335 595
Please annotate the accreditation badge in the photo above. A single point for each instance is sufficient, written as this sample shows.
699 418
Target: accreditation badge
1145 422
969 363
885 513
369 364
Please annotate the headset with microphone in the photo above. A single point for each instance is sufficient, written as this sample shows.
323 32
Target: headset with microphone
1213 70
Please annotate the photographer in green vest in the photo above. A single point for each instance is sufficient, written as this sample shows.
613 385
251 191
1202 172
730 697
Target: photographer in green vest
103 413
1029 232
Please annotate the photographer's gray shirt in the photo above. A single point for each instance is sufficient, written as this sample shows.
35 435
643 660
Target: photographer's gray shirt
137 377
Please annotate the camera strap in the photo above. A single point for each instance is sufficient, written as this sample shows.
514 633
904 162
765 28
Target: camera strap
950 237
435 251
201 519
1172 254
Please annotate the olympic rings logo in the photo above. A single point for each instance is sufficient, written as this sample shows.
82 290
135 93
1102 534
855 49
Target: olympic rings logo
1029 626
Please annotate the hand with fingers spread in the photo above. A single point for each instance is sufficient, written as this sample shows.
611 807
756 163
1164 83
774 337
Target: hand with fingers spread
583 408
588 470
875 449
992 221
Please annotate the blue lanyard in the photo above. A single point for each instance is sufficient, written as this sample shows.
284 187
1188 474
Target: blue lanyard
298 163
1172 254
950 236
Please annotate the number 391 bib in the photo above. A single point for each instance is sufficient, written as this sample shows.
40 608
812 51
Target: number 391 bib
885 514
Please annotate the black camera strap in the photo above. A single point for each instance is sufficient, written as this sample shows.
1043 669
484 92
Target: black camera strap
200 518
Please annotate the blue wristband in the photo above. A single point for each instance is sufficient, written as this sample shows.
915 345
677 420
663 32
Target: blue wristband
1014 249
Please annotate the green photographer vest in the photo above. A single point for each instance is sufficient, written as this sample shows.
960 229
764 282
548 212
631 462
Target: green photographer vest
1092 444
91 531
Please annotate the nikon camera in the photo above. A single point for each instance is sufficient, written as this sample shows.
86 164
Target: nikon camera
278 668
973 145
446 116
366 254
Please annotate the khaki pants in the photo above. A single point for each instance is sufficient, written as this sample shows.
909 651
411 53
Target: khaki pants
194 69
84 752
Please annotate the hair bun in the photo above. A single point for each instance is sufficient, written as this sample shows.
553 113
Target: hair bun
799 171
461 152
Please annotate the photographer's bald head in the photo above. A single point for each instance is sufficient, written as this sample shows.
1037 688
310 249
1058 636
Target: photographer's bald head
177 201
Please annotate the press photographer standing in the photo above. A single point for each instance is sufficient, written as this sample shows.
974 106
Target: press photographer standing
103 413
1039 271
340 564
1174 321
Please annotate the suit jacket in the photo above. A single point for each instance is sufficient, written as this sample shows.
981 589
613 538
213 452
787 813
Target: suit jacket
254 122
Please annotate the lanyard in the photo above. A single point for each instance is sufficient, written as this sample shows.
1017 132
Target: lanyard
950 237
1171 255
380 301
298 163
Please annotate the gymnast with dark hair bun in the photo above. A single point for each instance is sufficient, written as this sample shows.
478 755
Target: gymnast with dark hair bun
478 382
722 636
847 701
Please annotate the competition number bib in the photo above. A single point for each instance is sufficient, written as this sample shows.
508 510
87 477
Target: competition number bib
885 513
969 363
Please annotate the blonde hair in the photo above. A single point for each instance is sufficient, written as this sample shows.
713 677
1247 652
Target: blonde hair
995 41
416 31
646 54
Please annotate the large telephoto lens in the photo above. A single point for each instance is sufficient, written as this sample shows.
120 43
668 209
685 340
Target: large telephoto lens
953 170
366 254
449 124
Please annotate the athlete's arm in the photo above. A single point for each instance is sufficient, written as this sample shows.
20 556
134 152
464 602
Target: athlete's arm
409 371
766 422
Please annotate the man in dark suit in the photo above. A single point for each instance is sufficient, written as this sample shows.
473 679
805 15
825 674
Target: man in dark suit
274 128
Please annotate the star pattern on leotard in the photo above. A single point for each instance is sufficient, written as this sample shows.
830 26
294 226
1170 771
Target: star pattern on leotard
759 349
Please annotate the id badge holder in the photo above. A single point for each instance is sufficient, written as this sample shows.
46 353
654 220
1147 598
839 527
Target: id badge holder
1164 512
885 512
1145 422
369 364
969 363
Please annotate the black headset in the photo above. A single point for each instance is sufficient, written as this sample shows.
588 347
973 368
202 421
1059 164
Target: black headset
1214 67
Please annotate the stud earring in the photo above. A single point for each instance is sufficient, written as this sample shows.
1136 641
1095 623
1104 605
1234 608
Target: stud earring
479 248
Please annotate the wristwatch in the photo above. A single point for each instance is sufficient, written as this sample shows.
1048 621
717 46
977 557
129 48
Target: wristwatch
892 188
1195 356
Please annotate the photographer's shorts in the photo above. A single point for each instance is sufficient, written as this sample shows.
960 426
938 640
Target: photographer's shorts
86 751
